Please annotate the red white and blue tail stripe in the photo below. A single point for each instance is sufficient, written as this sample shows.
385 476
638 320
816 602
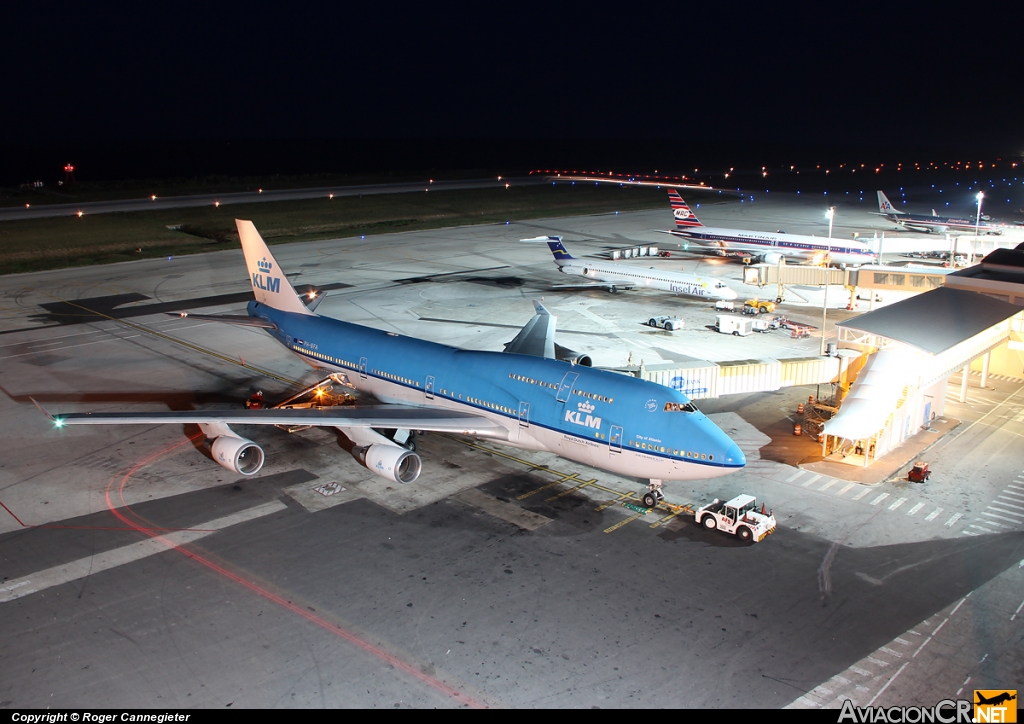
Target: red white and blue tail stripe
683 216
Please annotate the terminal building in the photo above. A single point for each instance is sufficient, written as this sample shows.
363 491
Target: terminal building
911 349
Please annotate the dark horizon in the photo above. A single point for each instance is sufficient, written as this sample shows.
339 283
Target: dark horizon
128 91
111 162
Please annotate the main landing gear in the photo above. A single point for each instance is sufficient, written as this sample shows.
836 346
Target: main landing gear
653 494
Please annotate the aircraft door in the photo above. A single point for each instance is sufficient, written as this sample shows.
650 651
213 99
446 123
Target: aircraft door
524 414
362 367
428 387
615 439
565 388
524 420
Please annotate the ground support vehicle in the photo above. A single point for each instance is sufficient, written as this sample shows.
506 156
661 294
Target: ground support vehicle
765 324
758 306
723 306
738 516
919 473
731 324
666 321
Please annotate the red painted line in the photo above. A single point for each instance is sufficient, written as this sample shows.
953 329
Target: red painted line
13 515
270 596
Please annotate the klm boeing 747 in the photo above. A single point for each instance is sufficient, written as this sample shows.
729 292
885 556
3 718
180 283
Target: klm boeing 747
528 396
620 276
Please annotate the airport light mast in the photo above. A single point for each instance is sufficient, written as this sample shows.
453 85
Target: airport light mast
831 213
977 225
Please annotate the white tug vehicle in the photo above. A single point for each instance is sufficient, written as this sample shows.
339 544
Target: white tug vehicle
739 516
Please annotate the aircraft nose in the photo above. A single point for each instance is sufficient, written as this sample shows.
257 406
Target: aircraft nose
734 457
729 294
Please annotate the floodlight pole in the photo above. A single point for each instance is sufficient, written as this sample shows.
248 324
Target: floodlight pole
824 305
977 225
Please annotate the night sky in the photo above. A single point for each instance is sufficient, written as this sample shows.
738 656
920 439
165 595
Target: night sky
881 75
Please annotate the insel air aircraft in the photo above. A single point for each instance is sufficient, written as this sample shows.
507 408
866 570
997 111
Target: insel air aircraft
933 223
619 276
523 397
770 248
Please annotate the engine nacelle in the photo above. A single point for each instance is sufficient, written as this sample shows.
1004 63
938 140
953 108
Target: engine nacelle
568 355
238 454
392 462
772 258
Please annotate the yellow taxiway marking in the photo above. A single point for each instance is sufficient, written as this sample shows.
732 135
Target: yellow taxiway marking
582 485
623 522
618 496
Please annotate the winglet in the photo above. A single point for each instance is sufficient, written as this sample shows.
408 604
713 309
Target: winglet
46 412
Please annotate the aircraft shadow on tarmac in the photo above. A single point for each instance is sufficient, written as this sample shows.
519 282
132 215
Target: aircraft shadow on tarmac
93 309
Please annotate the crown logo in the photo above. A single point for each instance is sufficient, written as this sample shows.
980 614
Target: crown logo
264 265
585 407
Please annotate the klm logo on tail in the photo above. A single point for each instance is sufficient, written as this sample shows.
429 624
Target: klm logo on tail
263 280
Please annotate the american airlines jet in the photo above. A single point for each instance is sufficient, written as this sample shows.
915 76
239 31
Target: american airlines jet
768 247
934 223
527 397
620 276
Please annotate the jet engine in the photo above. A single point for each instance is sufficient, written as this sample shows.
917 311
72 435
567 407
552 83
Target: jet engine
383 456
771 257
391 462
233 452
572 356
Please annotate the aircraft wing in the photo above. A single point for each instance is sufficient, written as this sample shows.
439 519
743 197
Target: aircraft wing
537 338
596 285
403 417
238 319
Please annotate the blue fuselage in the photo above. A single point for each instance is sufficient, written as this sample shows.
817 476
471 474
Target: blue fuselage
611 421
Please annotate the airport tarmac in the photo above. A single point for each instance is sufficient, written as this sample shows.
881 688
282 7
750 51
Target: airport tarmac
137 573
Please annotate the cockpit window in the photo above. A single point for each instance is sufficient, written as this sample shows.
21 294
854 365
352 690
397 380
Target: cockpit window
680 407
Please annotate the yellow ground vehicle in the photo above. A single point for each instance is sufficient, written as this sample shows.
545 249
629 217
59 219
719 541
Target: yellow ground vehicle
758 306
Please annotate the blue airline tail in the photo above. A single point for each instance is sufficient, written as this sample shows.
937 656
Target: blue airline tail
557 250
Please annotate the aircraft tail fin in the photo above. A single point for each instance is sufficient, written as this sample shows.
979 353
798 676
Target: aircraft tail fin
683 216
885 206
269 284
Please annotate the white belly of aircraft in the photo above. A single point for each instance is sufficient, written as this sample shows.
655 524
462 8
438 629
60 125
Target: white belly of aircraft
625 462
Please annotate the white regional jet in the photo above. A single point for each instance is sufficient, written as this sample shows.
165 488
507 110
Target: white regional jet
767 247
617 276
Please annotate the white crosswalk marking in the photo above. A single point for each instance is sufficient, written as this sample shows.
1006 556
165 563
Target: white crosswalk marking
861 494
795 475
879 499
992 522
916 508
828 485
934 514
1001 507
987 530
954 519
1011 504
897 504
809 481
846 488
1000 517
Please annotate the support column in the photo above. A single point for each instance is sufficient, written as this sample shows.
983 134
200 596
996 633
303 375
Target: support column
963 382
867 451
984 368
